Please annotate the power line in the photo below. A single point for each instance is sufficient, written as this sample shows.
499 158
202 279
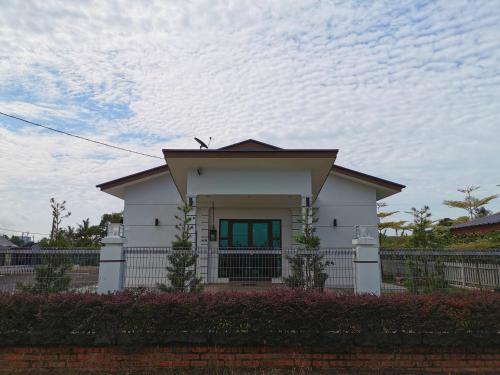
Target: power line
23 231
79 136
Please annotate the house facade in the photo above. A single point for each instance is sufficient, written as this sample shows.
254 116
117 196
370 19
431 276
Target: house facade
248 196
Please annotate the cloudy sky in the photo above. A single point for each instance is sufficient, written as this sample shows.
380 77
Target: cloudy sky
408 91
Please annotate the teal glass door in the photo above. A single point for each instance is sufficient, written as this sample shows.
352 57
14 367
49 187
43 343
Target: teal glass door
239 237
260 235
250 233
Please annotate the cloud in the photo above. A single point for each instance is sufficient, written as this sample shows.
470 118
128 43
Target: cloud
409 91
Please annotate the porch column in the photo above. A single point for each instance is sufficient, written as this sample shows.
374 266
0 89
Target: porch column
193 229
198 249
112 261
306 212
367 275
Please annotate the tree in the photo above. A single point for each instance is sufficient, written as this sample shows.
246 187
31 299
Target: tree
307 266
182 261
383 226
88 235
115 217
70 234
421 227
16 240
394 225
57 216
473 205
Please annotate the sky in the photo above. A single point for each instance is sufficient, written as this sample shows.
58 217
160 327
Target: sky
407 90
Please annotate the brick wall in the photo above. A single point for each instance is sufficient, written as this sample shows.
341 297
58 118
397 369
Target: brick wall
417 360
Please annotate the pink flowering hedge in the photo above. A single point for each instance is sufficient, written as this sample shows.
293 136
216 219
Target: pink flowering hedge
294 318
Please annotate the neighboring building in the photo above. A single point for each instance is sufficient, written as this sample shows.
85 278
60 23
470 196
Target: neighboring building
5 243
486 224
248 195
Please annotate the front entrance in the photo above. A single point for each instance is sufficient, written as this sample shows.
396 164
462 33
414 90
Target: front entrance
250 250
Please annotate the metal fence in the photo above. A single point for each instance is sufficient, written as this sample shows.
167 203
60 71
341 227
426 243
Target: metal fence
49 270
218 269
426 271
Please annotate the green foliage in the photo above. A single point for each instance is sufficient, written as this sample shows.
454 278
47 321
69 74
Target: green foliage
307 266
50 276
84 235
115 217
182 273
58 215
473 205
398 226
421 227
182 260
425 277
290 318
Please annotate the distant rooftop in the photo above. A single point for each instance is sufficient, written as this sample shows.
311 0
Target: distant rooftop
486 220
4 242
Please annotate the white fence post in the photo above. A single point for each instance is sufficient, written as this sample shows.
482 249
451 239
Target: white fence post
112 263
366 263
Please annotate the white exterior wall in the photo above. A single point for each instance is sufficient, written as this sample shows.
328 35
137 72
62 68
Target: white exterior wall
349 202
248 181
145 201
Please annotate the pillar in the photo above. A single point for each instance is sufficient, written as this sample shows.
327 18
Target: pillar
112 261
367 275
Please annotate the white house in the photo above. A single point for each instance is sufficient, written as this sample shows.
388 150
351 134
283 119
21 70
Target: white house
248 196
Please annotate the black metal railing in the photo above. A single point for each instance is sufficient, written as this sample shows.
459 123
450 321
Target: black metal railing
49 270
236 268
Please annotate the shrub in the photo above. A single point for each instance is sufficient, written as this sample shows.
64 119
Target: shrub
296 318
182 261
307 266
50 276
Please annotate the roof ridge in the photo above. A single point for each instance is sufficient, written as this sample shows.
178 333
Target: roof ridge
249 140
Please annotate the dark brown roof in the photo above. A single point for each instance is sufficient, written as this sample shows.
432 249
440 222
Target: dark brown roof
335 168
250 145
486 220
254 149
278 153
368 178
133 177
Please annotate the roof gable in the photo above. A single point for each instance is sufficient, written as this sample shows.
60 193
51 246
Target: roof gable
249 145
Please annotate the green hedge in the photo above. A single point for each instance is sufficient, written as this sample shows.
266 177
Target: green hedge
271 318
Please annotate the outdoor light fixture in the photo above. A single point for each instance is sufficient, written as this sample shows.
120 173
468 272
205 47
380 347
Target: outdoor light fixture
212 234
334 222
157 222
